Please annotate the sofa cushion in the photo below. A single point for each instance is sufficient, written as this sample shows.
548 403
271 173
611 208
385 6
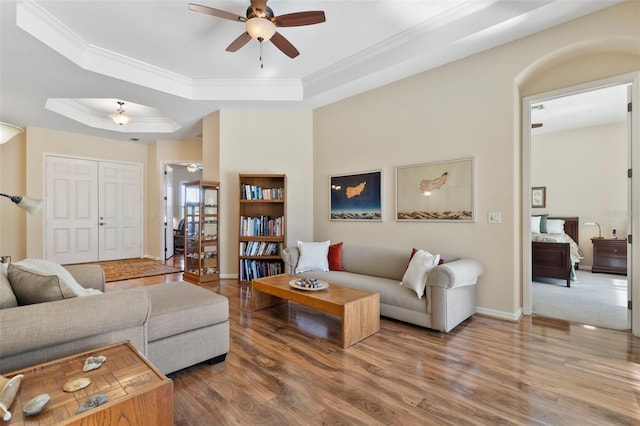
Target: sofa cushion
313 256
68 284
374 261
179 306
335 257
390 292
415 278
32 287
7 298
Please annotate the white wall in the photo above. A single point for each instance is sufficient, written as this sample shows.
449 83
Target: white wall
585 173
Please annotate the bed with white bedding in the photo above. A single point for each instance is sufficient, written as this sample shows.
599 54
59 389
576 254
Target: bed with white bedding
555 252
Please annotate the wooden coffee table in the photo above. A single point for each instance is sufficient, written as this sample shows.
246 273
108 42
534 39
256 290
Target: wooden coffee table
359 310
138 394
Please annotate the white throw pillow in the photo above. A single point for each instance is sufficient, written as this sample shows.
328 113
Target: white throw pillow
415 277
313 256
535 224
555 226
68 284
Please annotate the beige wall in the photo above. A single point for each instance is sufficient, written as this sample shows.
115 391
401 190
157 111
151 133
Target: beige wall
277 142
467 108
12 182
211 147
584 171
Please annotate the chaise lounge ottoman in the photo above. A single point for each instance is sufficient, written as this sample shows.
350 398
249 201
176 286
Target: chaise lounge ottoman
187 325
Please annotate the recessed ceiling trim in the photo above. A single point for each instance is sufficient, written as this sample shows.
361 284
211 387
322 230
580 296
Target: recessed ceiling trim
35 20
465 30
74 110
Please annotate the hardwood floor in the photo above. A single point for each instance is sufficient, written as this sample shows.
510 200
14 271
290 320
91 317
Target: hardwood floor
286 366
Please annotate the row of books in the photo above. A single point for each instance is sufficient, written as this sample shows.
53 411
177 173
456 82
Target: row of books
255 192
261 226
259 248
252 269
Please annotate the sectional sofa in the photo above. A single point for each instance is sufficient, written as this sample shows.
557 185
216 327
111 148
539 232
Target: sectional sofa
175 325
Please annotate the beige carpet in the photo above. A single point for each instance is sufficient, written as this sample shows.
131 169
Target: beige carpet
595 299
127 269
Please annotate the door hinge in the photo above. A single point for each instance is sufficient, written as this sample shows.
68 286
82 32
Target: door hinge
629 107
165 198
629 173
629 239
629 305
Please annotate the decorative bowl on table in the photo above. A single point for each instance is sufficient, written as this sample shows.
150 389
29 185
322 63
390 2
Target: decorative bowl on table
309 284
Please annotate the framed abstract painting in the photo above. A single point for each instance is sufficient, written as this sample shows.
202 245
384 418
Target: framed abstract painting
356 196
442 191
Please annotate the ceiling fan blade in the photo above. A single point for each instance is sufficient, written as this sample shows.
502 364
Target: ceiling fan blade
299 19
216 12
284 45
239 42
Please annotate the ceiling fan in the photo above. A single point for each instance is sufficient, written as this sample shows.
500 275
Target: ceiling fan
261 24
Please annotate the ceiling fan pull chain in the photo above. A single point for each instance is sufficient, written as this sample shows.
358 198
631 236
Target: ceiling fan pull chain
261 64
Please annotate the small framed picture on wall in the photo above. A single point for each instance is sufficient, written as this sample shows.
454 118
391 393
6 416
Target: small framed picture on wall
539 197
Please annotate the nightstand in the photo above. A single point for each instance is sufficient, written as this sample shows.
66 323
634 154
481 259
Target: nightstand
609 255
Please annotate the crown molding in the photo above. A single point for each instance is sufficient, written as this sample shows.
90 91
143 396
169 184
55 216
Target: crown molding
39 23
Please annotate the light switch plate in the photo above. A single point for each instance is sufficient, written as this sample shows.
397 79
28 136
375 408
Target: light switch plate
495 217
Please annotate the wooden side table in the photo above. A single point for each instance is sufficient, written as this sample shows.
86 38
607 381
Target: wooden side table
609 256
138 394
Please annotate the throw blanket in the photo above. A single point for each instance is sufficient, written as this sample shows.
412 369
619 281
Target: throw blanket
576 253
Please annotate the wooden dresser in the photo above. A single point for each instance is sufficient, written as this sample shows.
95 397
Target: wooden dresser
138 394
609 256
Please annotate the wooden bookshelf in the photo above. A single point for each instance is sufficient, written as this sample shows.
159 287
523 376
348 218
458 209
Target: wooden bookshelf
262 225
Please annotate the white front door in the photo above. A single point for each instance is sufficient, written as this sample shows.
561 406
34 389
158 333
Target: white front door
93 210
71 210
119 209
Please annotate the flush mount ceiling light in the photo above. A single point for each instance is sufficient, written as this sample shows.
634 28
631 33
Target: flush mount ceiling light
192 168
120 118
8 131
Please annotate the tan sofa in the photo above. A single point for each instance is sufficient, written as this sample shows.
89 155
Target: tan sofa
175 325
450 295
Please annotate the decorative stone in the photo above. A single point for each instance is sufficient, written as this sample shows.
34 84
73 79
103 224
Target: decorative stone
36 405
92 402
8 390
77 384
93 362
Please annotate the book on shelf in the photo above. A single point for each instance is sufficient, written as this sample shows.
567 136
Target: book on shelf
255 192
252 269
261 226
259 248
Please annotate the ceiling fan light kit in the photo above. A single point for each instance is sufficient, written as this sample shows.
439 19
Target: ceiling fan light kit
260 29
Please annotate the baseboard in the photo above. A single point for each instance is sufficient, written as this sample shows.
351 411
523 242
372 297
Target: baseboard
515 316
228 276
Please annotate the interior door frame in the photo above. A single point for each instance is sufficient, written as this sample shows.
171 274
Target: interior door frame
633 204
167 191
